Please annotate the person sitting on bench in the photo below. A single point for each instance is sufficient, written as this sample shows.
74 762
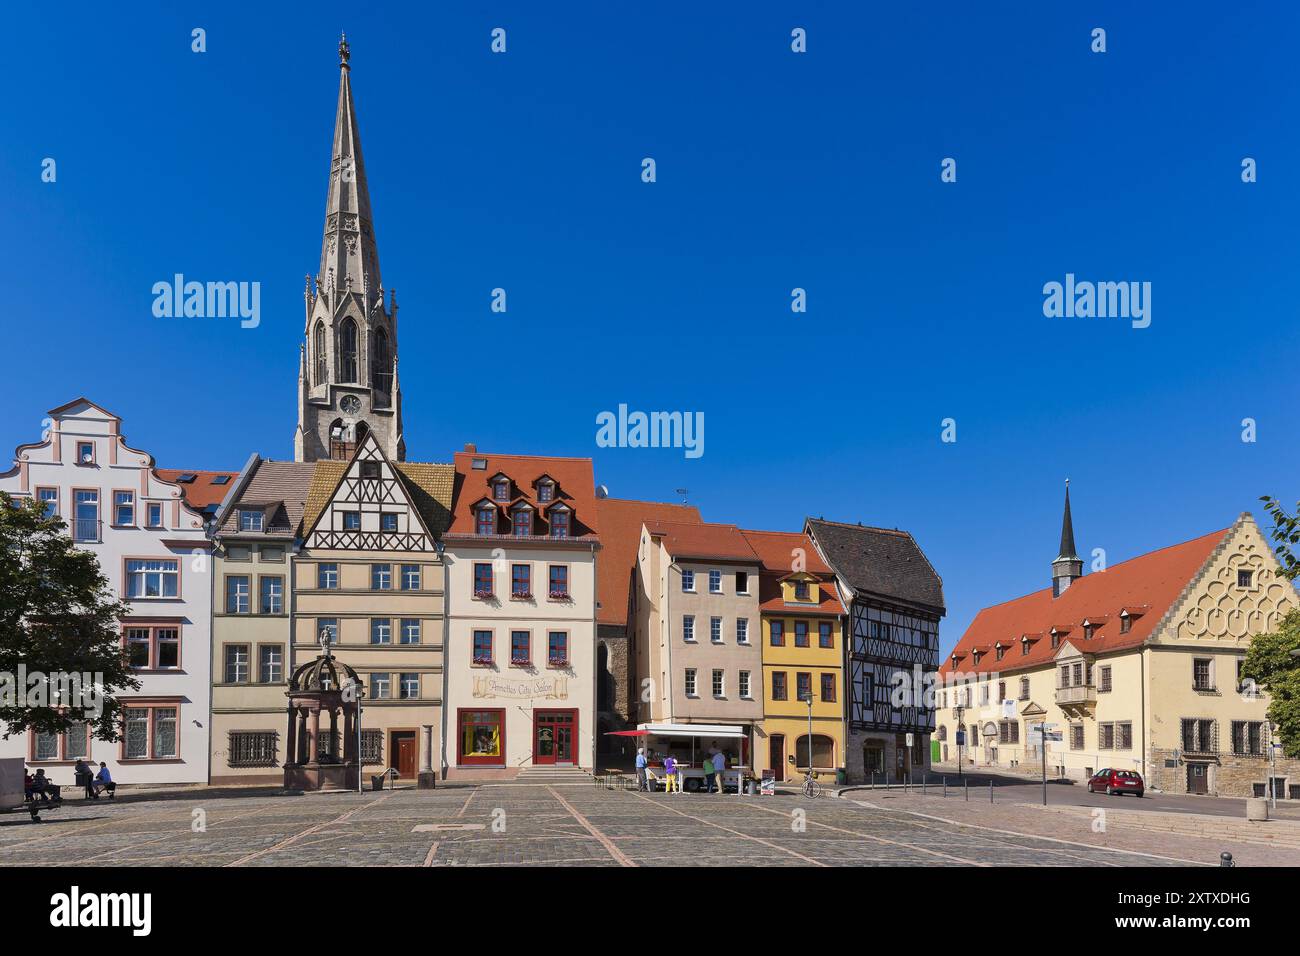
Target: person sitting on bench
41 784
103 781
28 783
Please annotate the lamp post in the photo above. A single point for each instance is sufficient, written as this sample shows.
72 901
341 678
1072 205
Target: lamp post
958 713
808 699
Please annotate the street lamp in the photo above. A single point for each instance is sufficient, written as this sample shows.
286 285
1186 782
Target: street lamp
808 699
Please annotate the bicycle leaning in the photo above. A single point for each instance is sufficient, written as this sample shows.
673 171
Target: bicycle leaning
811 788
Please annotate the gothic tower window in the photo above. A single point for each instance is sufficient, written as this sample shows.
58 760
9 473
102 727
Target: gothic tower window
348 351
318 348
381 366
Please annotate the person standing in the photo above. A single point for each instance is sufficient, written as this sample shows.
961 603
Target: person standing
641 784
84 778
670 773
719 764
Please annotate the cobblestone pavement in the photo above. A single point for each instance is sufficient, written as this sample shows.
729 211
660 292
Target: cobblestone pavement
553 825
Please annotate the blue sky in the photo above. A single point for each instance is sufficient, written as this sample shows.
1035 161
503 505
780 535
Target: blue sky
775 171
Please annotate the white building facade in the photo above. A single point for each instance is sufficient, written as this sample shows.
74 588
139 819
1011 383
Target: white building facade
154 552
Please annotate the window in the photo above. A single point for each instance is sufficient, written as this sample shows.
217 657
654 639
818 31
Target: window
236 663
150 733
381 630
828 687
85 525
1002 691
409 686
167 647
1245 578
270 663
1125 623
485 521
351 520
825 638
1076 736
521 581
152 578
1024 647
139 646
50 498
559 524
250 520
381 577
252 748
381 686
521 649
1103 680
559 582
1124 735
998 652
327 576
237 594
715 630
801 590
388 521
482 580
1088 630
779 686
689 683
410 630
557 648
1247 738
688 627
800 633
715 582
719 685
347 351
318 345
688 579
410 577
272 594
85 453
372 747
803 686
1199 736
501 489
482 734
482 647
1056 640
742 582
776 633
1106 736
369 470
522 523
154 514
742 630
744 685
328 627
124 507
545 491
1202 678
1008 732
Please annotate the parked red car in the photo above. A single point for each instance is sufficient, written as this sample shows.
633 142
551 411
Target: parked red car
1116 782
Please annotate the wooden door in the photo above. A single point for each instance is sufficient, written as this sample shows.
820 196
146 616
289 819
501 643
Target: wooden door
555 735
776 754
1198 778
404 752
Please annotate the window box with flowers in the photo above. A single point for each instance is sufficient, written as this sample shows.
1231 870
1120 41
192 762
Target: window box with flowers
521 595
557 662
483 660
482 594
558 595
521 662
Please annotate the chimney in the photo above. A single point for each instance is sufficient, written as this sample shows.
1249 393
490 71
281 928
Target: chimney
470 447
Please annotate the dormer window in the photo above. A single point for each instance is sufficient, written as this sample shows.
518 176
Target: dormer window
501 489
999 651
1088 630
1056 640
251 520
546 491
1024 647
522 522
975 658
1125 623
485 521
801 590
559 523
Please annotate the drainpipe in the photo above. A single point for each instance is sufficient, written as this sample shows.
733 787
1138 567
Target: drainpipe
1142 675
446 653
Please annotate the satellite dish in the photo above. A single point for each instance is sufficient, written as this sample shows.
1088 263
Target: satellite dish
602 491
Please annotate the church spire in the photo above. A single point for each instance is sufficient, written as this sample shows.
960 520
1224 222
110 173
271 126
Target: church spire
348 248
1068 566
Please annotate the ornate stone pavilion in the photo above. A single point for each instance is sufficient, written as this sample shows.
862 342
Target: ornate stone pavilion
319 757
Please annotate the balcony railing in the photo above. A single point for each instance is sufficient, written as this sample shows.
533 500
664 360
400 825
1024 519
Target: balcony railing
1076 694
85 530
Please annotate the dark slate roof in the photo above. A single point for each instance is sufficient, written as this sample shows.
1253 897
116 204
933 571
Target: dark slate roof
879 561
280 488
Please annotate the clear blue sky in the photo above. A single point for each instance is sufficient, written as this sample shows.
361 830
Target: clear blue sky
775 170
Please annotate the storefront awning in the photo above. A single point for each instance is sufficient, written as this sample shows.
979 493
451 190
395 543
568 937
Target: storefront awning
713 731
626 733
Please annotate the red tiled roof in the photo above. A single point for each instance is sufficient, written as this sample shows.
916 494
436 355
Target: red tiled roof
776 549
573 476
723 542
620 536
1155 579
201 492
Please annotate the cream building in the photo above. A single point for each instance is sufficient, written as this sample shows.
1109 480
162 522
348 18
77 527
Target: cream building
370 579
521 649
1137 666
255 534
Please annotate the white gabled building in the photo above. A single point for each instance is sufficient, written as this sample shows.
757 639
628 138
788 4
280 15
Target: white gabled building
154 552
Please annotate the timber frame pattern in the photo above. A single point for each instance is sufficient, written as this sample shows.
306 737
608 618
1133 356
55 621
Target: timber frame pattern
369 488
888 641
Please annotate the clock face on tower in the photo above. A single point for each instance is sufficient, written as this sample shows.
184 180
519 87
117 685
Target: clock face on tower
350 404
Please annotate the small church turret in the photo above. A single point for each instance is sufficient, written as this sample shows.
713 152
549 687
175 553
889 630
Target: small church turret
347 386
1068 566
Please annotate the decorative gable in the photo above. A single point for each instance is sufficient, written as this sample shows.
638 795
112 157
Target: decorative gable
370 509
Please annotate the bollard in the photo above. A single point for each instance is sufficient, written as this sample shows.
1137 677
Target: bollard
990 791
1225 859
945 787
966 789
924 782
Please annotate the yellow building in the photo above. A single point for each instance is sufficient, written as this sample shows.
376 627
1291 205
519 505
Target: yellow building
801 636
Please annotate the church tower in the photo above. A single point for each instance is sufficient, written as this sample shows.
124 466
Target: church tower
347 370
1068 566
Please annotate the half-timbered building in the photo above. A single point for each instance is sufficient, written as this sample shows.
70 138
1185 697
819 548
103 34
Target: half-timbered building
895 600
369 579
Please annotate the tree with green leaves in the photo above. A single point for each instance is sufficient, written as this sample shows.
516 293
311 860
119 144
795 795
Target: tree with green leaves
1285 535
58 617
1270 664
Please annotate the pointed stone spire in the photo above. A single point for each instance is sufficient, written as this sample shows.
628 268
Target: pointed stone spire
348 246
1068 566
